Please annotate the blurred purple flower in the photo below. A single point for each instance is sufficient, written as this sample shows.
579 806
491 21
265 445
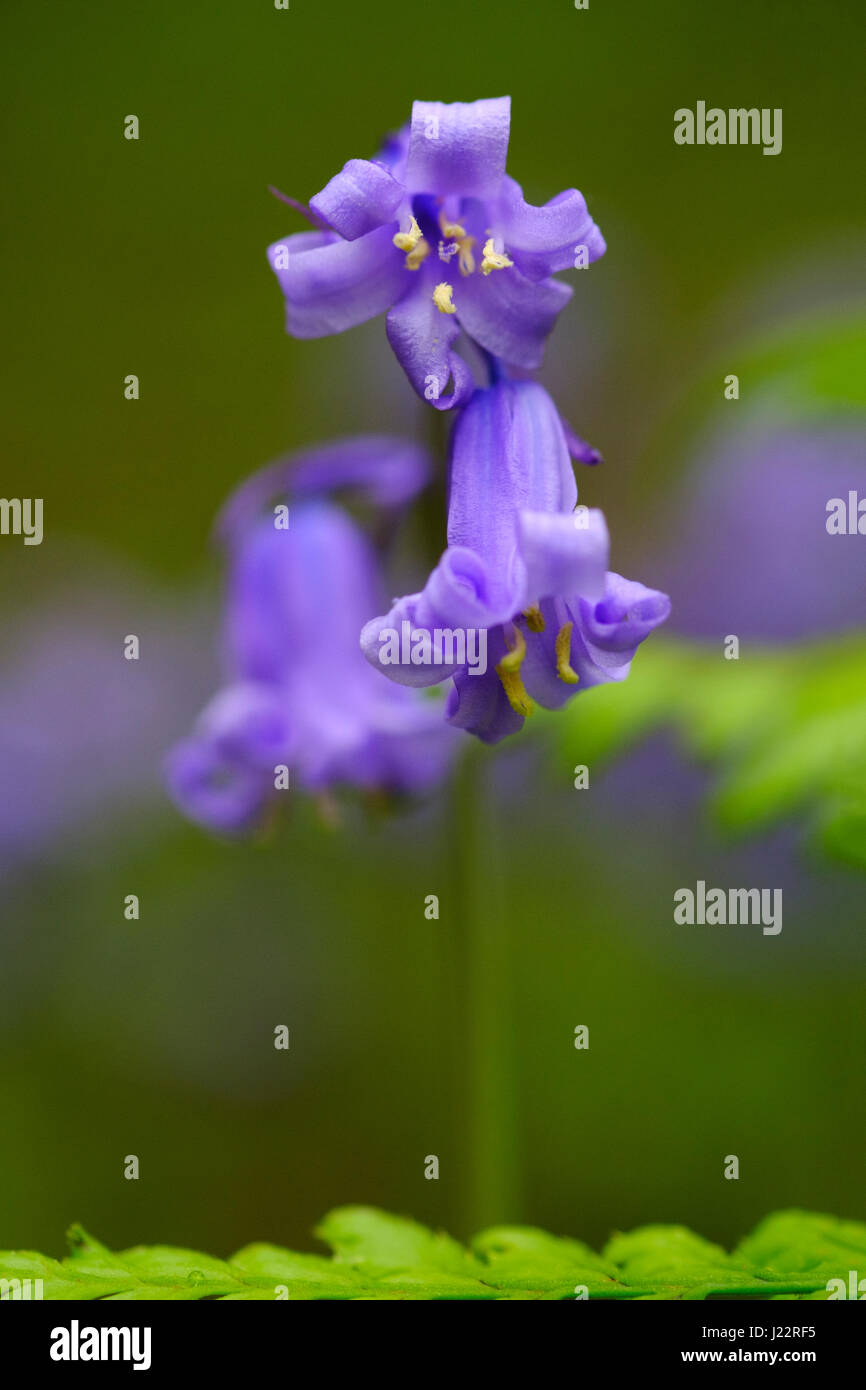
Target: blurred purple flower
299 692
524 567
754 557
435 233
81 729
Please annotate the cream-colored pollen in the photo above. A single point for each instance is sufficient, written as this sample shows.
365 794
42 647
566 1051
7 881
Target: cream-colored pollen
407 241
418 254
466 260
452 231
414 244
462 243
442 298
493 259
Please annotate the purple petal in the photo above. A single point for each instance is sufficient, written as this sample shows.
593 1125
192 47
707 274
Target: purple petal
379 633
410 642
464 591
543 240
479 704
351 723
297 598
300 691
412 761
564 556
389 471
213 790
604 638
539 671
462 597
625 616
607 634
580 451
509 315
458 148
508 455
254 636
331 285
422 339
409 759
248 722
357 200
386 470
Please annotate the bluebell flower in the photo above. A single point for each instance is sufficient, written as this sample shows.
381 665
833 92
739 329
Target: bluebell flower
433 232
298 694
525 566
789 473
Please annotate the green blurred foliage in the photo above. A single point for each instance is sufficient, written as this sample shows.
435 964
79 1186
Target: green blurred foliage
788 731
375 1256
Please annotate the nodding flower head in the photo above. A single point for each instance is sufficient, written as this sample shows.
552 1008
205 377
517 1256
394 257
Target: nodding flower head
300 704
526 566
433 232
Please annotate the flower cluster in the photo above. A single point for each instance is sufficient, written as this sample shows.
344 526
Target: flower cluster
525 564
433 233
299 700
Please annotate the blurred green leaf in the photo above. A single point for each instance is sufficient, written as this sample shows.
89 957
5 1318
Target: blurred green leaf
784 729
803 371
376 1256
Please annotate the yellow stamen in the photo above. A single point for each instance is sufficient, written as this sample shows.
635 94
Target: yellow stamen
442 298
534 618
418 254
516 642
414 244
455 232
493 259
465 259
508 672
452 231
407 241
564 669
515 692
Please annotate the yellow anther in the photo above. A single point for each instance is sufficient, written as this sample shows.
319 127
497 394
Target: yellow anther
463 243
516 642
534 618
465 259
452 231
407 241
418 254
508 671
442 298
493 259
564 669
515 692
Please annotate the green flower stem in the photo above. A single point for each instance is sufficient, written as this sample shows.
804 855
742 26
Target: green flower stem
483 953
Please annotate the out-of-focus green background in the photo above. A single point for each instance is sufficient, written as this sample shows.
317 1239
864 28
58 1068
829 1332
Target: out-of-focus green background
147 257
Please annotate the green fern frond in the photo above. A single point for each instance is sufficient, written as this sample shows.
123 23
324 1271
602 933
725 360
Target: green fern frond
377 1256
